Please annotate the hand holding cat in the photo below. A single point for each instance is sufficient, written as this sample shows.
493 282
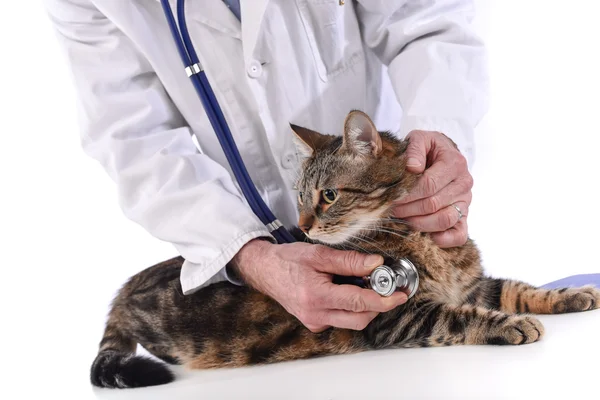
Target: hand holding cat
299 277
445 184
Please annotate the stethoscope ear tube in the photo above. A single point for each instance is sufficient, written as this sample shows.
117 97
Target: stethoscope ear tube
217 120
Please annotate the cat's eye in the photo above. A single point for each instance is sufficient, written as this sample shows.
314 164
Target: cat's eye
329 195
301 198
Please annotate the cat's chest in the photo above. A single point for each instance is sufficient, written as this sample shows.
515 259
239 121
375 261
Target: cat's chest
451 287
446 276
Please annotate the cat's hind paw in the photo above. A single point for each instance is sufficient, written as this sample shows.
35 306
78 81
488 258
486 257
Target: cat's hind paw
576 299
515 330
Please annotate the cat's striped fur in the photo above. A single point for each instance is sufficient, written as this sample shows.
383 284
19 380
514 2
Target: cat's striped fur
224 325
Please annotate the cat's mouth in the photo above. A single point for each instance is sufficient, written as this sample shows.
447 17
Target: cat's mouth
329 237
341 233
351 229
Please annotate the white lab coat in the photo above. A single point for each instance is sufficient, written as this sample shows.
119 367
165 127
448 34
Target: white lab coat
409 64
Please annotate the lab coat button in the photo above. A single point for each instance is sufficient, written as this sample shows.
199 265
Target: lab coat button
254 69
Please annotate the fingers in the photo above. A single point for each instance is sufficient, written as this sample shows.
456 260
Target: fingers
343 319
348 307
448 166
358 300
350 320
317 328
440 221
459 190
446 182
346 263
419 144
453 237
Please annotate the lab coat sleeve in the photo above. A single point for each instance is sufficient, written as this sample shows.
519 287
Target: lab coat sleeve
436 63
132 128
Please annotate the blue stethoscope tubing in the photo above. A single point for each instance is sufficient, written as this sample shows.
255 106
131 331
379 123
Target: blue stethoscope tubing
217 119
215 115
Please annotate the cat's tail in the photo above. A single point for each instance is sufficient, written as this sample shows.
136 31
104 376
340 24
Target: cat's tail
117 366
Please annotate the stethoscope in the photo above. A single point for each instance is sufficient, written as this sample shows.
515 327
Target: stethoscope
385 279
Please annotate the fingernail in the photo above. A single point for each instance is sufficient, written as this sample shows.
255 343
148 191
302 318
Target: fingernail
392 301
373 260
413 162
403 298
396 300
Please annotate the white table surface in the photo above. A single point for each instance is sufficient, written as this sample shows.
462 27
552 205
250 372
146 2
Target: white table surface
565 365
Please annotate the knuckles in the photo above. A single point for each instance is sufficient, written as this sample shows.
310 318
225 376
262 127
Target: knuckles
321 255
460 162
431 205
469 182
430 185
352 260
446 219
468 200
466 183
357 304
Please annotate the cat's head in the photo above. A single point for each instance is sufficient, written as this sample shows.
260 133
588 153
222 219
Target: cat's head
347 183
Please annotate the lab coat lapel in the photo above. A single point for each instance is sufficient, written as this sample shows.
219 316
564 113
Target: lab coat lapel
252 15
213 13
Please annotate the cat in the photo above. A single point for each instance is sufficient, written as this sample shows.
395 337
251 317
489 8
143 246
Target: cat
223 325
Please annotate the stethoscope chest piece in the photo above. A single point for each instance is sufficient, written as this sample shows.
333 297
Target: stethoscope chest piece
401 276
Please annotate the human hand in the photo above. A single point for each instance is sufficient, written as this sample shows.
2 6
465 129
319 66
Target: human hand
445 184
299 277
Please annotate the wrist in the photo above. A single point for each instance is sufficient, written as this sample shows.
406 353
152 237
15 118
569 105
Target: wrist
246 263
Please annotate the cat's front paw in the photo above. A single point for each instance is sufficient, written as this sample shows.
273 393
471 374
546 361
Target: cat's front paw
515 330
576 300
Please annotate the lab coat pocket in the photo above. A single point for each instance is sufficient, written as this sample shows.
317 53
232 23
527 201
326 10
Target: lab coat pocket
333 34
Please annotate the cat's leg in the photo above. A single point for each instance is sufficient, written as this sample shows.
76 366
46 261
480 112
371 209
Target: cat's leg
512 296
434 324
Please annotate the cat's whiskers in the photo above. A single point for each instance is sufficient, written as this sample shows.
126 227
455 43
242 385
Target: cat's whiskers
381 224
397 233
363 238
389 228
357 247
388 219
331 231
371 243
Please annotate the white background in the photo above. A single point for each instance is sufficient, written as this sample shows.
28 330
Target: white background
65 247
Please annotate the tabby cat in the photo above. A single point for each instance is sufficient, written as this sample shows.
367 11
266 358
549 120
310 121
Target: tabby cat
224 325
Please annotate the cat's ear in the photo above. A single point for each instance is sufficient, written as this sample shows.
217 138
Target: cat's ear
361 135
306 140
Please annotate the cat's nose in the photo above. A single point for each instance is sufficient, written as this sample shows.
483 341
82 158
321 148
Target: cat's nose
306 222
